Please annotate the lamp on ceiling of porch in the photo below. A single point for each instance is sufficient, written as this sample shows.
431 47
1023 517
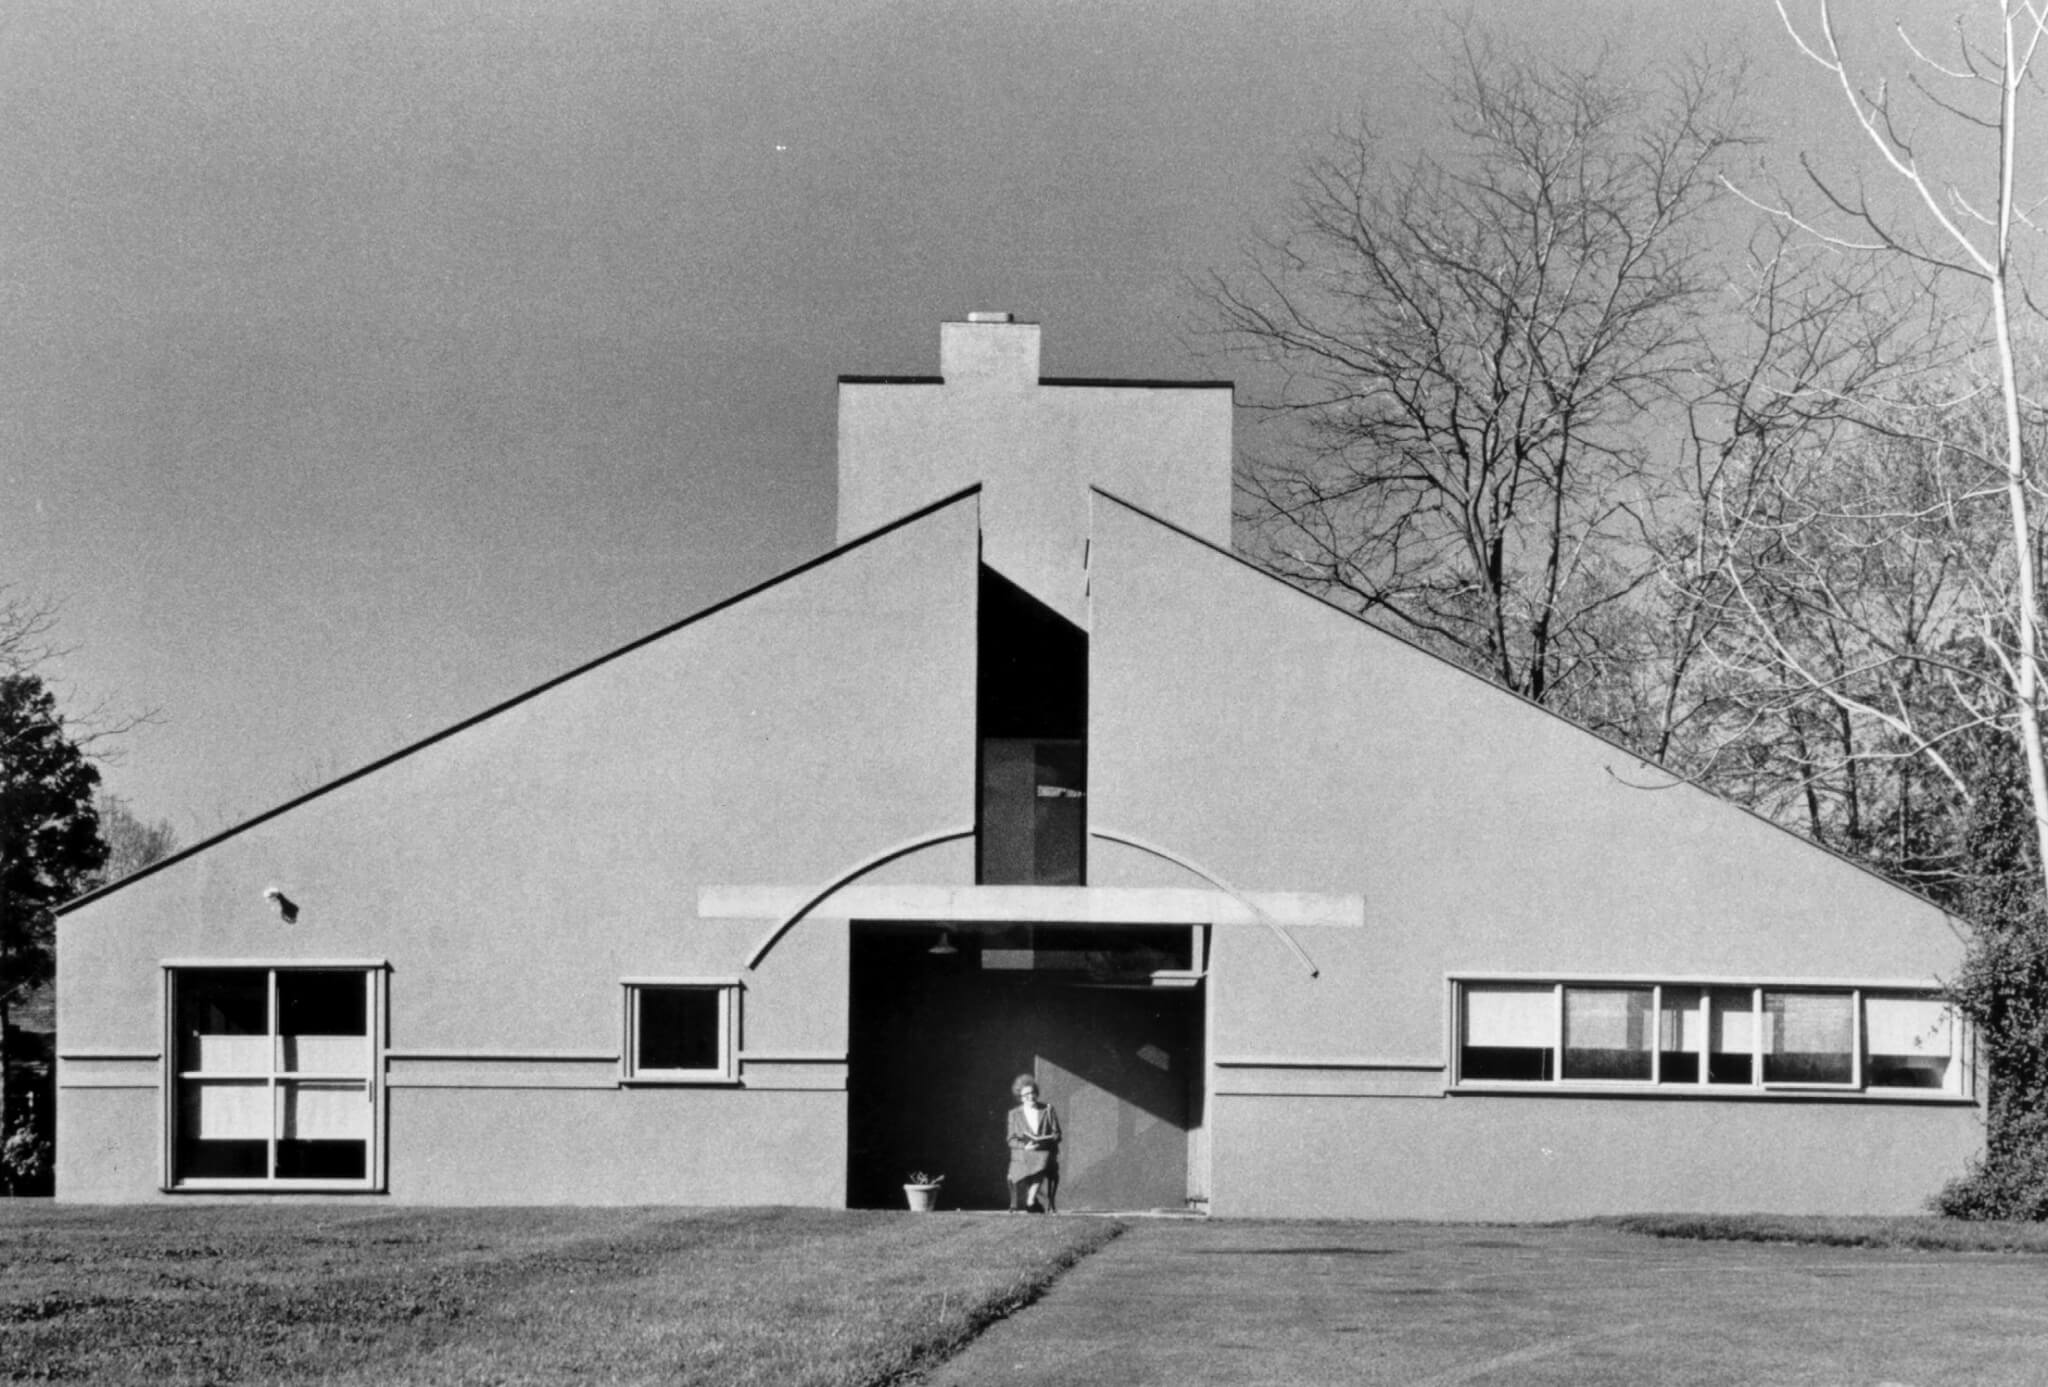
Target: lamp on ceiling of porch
944 948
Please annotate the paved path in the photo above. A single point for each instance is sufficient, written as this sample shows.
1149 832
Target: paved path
1197 1303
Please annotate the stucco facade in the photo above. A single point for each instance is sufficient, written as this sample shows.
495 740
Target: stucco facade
1030 772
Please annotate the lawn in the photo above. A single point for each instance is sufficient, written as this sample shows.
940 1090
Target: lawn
1925 1234
1312 1304
339 1294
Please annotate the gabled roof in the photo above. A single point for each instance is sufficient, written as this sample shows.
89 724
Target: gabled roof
1648 765
838 551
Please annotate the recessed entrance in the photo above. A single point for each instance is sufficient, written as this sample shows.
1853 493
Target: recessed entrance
935 1039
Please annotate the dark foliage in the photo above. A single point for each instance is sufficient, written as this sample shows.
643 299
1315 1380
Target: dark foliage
50 846
2003 990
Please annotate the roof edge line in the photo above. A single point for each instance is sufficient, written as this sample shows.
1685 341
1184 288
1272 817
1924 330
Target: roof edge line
1059 382
1125 383
1658 767
516 699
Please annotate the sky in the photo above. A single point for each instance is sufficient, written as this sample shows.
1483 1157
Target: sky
365 364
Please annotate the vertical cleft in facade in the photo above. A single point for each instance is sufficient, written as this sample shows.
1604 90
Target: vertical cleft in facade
1033 714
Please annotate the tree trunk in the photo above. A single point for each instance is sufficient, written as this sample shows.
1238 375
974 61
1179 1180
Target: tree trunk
6 1064
2026 660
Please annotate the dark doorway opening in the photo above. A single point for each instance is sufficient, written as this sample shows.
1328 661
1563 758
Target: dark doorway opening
935 1040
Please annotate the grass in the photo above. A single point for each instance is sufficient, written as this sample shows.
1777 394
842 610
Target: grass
1579 1305
1926 1234
334 1294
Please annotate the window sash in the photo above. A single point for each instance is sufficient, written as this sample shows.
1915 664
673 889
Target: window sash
1809 1039
642 1007
1508 1032
293 1106
1609 1034
1911 1042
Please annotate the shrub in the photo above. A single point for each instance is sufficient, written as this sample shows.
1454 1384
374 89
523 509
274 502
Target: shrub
2003 990
26 1158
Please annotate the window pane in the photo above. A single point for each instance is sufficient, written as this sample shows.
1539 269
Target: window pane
227 1111
679 1029
1607 1033
1681 1035
1033 811
1731 1036
223 1130
224 1021
323 1131
1807 1038
323 1022
1909 1042
1059 823
1509 1032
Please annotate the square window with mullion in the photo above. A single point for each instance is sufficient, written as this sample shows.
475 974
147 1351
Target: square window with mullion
243 1037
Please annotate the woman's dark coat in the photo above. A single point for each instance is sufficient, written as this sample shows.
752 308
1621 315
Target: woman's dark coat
1027 1160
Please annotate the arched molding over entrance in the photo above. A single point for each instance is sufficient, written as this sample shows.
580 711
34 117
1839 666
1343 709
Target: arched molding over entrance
851 874
1218 882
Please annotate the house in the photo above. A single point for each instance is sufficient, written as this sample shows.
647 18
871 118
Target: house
1029 773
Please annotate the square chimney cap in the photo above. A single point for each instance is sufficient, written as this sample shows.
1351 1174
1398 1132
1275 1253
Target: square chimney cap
990 316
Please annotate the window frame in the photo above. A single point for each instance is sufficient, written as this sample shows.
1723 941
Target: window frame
376 974
725 1073
1960 1089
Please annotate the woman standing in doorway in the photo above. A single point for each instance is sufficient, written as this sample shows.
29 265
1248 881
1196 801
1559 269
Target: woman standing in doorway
1034 1149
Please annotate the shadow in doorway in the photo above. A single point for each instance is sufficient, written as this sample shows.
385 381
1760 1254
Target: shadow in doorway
937 1038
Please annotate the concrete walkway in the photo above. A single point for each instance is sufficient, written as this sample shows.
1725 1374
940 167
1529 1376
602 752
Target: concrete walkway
1195 1303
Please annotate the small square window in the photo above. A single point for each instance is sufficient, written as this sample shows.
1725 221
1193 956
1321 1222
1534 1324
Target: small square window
681 1032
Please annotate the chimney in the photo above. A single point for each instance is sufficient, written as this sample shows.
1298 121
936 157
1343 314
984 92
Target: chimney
990 348
1035 448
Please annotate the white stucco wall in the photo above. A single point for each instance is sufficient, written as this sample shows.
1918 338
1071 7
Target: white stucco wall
514 872
1286 746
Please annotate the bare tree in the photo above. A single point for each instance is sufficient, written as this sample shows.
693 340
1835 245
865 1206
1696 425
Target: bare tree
1763 594
1963 217
27 624
1855 585
1801 343
1961 225
132 841
1466 351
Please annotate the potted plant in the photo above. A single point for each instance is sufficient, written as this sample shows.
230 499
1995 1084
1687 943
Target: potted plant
922 1191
